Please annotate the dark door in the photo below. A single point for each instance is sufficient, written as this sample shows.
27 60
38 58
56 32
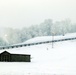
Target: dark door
5 57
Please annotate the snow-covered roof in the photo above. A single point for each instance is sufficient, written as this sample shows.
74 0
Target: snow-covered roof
45 39
14 52
49 38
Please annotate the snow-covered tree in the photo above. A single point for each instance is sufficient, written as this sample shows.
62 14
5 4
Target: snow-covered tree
45 27
2 42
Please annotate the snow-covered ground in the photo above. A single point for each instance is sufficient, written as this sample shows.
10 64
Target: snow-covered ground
45 60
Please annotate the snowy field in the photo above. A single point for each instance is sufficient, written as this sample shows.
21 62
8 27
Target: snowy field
45 60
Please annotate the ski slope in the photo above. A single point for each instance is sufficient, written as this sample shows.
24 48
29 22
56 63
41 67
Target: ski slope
45 60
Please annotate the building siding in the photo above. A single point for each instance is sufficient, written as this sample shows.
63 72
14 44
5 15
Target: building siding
7 57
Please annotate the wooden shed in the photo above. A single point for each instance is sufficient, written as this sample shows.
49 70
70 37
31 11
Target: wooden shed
5 56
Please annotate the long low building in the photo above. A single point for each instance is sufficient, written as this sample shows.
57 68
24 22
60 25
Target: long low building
42 40
5 56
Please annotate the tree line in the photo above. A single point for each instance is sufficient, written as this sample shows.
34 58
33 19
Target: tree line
47 28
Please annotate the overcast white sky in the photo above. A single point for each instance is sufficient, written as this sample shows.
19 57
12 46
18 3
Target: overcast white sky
20 13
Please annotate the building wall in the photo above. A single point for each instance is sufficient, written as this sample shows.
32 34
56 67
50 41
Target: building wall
21 58
7 57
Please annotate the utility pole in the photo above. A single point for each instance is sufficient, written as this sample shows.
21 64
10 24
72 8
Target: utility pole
52 40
